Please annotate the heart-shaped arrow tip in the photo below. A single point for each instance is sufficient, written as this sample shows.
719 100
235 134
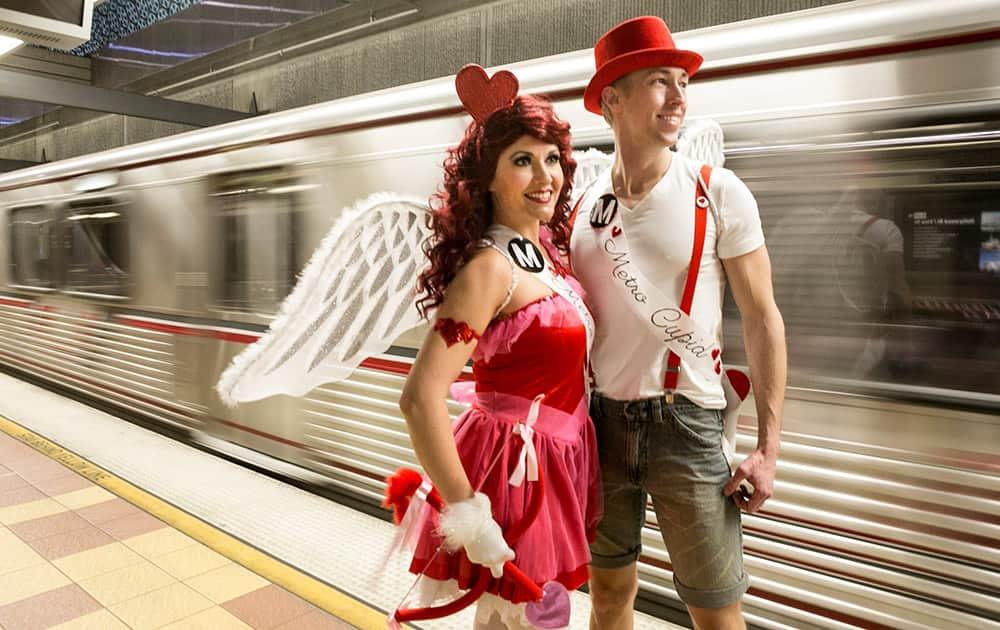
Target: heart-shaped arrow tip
553 609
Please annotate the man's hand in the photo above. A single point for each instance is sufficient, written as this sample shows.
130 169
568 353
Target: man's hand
758 470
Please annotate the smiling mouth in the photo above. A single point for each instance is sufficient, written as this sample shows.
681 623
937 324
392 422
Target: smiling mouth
543 196
672 119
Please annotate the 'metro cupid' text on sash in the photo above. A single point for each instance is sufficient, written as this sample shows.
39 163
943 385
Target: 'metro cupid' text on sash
679 333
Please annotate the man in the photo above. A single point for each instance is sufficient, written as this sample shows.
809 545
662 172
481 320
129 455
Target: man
657 372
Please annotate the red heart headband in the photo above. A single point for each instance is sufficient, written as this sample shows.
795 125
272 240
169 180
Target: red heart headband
483 96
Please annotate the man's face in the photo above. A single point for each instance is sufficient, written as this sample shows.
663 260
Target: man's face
648 106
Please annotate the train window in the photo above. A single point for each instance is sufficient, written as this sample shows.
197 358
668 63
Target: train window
33 246
96 247
886 261
258 221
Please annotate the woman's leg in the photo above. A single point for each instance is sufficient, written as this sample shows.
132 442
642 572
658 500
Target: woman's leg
495 622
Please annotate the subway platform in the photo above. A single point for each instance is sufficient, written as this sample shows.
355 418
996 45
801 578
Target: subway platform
106 525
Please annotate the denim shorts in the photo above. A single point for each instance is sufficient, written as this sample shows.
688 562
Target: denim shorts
672 453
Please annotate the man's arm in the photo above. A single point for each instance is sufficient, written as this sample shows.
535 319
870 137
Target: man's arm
749 278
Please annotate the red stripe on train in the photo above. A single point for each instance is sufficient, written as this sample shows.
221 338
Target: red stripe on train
372 363
400 367
188 331
385 365
27 304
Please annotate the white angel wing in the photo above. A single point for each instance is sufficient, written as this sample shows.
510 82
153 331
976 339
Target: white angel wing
356 295
701 140
589 166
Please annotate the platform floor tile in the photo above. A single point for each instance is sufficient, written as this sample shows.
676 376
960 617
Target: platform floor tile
290 554
74 556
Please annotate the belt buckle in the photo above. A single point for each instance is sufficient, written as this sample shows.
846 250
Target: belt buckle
625 409
668 398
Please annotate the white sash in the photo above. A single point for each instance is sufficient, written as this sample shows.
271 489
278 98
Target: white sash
681 335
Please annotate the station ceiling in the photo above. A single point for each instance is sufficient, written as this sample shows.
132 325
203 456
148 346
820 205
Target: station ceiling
134 38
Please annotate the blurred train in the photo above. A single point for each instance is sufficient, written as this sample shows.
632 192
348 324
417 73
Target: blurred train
869 133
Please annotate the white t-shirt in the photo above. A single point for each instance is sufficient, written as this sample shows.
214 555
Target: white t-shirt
628 357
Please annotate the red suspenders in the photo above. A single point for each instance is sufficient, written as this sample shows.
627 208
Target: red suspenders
673 370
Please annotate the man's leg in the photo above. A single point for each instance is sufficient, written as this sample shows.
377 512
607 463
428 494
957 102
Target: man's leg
612 595
727 618
700 526
621 444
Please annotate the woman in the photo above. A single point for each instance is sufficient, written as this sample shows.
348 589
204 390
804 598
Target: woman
503 299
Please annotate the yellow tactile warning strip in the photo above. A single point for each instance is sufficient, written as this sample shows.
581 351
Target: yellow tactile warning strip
49 500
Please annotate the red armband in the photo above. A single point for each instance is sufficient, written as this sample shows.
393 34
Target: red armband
453 331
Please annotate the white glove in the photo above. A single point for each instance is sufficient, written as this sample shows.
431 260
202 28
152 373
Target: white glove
470 524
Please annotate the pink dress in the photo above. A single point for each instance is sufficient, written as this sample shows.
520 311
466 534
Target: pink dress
539 349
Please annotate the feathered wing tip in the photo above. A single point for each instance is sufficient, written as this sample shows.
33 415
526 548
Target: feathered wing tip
701 139
589 166
305 302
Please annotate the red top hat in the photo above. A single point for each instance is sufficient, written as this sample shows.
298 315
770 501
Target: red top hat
642 42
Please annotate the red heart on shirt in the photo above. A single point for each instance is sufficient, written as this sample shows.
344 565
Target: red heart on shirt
615 231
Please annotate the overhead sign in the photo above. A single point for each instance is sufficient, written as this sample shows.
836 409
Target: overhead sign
61 24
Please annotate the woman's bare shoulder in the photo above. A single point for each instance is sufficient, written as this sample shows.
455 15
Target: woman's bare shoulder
485 278
487 268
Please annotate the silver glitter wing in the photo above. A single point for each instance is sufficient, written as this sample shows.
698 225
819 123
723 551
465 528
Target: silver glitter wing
353 299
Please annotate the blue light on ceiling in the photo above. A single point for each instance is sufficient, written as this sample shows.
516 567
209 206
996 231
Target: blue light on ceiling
154 53
256 7
115 19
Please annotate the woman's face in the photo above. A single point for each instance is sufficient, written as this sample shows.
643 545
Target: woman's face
527 181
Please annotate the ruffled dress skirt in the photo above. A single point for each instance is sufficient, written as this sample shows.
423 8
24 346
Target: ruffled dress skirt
539 349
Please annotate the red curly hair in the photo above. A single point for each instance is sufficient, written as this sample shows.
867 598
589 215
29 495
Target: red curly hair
463 210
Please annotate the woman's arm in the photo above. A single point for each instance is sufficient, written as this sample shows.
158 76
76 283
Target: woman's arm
473 298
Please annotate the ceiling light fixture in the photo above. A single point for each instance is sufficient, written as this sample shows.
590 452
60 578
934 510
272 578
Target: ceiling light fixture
8 44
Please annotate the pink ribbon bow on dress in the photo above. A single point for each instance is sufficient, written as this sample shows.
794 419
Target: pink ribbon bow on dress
527 460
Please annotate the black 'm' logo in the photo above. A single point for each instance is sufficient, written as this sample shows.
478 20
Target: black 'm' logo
526 255
604 211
